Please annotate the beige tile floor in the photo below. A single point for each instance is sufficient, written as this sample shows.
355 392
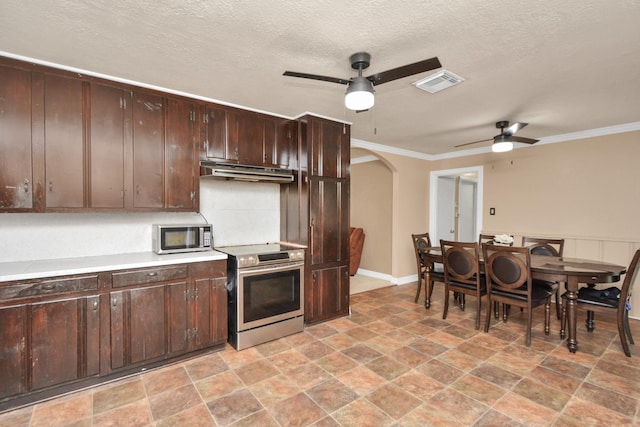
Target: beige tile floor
390 363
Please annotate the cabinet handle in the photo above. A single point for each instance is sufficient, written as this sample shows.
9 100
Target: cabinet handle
114 302
152 273
95 305
26 185
50 186
48 286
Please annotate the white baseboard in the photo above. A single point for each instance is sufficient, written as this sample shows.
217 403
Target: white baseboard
389 278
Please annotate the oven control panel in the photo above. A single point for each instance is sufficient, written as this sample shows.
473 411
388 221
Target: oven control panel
253 260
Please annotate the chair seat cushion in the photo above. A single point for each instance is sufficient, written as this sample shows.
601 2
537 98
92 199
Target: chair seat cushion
551 286
600 297
483 285
537 293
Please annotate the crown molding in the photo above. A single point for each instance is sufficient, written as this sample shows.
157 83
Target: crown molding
591 133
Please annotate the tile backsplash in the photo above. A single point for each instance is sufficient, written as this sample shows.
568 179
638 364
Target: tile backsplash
240 212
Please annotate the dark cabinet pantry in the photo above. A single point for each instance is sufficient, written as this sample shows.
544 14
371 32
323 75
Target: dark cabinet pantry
315 212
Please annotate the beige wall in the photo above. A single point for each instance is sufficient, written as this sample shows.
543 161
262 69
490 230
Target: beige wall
587 191
409 211
371 209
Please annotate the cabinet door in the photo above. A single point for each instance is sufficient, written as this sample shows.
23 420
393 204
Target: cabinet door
327 296
106 146
209 312
177 318
64 340
146 313
216 144
16 177
329 148
64 142
147 323
328 220
148 150
181 157
246 131
277 142
13 354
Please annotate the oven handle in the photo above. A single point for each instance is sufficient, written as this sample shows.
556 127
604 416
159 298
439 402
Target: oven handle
271 268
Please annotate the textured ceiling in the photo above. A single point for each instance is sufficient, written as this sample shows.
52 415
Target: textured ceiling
562 66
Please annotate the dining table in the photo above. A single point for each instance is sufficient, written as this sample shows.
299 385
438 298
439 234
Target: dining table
570 271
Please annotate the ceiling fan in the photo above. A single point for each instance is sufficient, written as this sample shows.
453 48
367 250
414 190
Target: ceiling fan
359 95
504 141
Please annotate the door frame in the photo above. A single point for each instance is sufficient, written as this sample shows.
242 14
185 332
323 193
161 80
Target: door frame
433 196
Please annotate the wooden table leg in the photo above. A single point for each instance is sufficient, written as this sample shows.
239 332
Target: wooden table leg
572 312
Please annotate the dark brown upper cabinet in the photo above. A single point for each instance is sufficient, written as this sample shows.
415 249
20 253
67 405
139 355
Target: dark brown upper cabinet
71 143
181 169
106 146
16 175
328 145
148 124
245 137
63 140
215 143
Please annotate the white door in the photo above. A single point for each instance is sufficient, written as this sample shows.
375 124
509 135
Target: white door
446 209
467 210
444 194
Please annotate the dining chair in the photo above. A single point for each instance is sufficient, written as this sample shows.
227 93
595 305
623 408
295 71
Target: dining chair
420 242
462 274
489 239
509 281
608 301
547 247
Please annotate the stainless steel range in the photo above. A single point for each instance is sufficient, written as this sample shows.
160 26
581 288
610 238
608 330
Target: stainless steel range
266 292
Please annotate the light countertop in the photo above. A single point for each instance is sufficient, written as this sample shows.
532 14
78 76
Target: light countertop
24 270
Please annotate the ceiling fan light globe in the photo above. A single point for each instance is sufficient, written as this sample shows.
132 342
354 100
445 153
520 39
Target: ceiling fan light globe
359 94
359 100
502 146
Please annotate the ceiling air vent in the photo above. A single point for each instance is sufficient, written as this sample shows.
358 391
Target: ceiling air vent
439 81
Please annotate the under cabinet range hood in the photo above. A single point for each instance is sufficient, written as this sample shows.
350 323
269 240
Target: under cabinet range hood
245 172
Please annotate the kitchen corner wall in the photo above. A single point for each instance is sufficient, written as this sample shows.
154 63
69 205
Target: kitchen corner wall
240 212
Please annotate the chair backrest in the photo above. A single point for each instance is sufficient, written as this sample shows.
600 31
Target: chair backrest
544 246
507 269
629 279
461 261
486 238
420 241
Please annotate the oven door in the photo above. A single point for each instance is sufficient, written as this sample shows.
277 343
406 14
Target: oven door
269 294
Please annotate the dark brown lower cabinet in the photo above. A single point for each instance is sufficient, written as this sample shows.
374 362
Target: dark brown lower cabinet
327 296
61 334
48 343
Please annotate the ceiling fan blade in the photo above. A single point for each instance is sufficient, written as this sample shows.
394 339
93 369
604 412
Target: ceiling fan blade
474 142
404 71
511 130
316 77
524 140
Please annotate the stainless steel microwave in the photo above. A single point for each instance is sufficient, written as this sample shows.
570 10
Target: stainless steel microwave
177 238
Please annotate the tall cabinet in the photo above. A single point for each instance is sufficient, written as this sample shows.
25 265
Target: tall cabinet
315 212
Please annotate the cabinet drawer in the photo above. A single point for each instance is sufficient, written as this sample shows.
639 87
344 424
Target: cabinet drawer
48 287
149 275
